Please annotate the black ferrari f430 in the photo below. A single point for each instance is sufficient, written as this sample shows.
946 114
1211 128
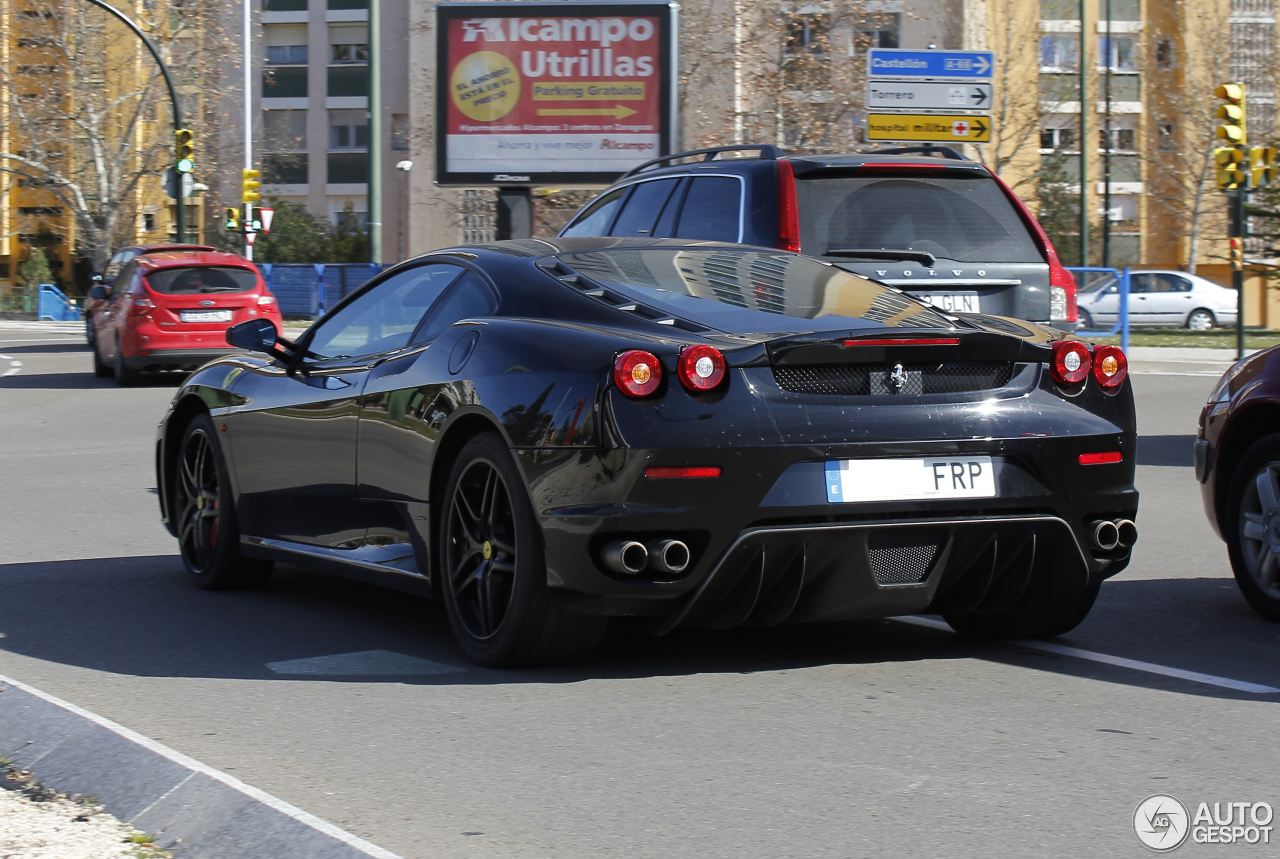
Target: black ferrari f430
549 433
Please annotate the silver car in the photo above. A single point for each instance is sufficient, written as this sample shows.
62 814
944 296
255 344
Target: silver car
1158 299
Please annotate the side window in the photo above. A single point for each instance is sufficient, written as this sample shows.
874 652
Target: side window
113 268
384 317
469 298
121 283
595 220
712 209
1175 283
1139 283
643 208
666 226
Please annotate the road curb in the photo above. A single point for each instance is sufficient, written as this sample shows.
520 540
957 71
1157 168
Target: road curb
188 806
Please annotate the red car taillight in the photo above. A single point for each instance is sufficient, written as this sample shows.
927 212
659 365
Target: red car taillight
637 373
266 299
141 306
788 209
700 368
1110 366
1071 362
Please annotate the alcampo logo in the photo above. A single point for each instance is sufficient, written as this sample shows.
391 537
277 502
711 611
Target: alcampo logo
1161 822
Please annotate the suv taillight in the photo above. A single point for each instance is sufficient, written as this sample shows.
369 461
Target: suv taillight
788 209
1062 286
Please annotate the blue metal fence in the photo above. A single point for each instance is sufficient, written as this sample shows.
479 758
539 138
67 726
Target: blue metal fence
306 289
55 306
1122 282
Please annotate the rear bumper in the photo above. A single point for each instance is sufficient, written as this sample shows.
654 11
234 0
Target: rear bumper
175 359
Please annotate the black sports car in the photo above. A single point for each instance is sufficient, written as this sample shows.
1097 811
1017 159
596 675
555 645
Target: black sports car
547 433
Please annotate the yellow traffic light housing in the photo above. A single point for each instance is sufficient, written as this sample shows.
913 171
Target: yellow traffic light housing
184 150
1232 114
249 185
1237 254
233 218
1262 166
1230 168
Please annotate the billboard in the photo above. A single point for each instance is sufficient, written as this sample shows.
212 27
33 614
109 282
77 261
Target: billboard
533 93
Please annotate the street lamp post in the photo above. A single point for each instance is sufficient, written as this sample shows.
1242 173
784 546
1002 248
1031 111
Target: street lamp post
404 167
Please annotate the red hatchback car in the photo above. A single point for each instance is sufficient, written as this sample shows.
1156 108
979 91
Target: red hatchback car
171 311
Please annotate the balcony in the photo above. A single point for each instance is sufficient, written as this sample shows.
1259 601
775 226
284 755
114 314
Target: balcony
347 81
285 82
284 169
348 168
284 5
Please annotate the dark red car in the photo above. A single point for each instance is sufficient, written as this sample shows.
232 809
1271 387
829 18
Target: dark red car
171 311
1237 458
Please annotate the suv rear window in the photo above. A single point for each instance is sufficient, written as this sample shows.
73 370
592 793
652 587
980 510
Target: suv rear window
967 219
202 279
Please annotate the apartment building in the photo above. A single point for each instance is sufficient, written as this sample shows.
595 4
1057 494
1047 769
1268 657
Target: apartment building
311 99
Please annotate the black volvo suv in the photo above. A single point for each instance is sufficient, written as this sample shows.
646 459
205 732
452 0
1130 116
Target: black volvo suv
926 220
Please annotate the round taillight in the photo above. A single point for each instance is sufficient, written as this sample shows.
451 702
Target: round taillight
637 373
700 368
1071 362
1110 366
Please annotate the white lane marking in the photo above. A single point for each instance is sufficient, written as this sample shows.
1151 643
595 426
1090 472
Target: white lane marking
366 662
1118 661
303 817
56 340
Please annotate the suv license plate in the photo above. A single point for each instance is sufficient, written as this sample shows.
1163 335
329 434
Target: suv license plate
910 479
206 316
952 302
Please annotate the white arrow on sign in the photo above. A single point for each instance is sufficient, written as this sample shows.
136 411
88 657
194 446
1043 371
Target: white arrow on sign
913 96
981 65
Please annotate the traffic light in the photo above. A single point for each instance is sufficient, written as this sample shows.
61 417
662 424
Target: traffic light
249 186
233 219
184 149
1231 168
1262 164
1237 254
1232 114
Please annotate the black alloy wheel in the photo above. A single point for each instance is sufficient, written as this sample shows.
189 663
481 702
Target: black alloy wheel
1252 527
204 515
493 569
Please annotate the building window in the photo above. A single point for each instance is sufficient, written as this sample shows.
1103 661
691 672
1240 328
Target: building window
284 130
36 211
284 169
399 131
347 81
1168 137
350 53
1118 50
1122 139
285 82
348 4
348 129
1164 53
1059 53
348 168
1058 138
808 34
880 32
148 222
284 5
287 55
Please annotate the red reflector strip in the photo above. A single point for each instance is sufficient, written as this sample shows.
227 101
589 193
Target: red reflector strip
906 341
682 471
1100 458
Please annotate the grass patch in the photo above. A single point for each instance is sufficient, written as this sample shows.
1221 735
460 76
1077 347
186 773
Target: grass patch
1223 338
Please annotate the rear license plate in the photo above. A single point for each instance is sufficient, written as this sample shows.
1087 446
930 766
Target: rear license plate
956 302
206 316
910 479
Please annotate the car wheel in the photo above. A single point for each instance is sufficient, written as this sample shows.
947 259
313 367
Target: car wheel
125 377
1252 526
1044 618
100 369
1200 320
208 534
1085 320
88 331
493 568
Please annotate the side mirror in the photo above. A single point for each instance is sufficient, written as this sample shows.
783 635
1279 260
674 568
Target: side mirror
99 293
256 335
96 278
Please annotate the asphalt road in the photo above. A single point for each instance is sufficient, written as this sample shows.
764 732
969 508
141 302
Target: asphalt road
862 739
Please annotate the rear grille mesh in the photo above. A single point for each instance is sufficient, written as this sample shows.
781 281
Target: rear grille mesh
950 377
903 556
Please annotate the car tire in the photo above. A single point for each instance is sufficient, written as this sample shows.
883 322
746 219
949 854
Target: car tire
205 515
1046 616
1252 526
1200 320
125 376
1085 321
88 332
492 563
100 368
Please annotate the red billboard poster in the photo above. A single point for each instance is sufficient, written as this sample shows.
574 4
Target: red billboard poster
542 93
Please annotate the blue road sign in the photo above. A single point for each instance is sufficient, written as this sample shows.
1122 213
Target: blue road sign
897 63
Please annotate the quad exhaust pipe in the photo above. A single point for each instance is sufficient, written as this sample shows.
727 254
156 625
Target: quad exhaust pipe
1107 534
631 557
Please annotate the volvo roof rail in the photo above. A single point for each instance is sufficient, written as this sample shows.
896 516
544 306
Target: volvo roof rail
944 151
767 151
